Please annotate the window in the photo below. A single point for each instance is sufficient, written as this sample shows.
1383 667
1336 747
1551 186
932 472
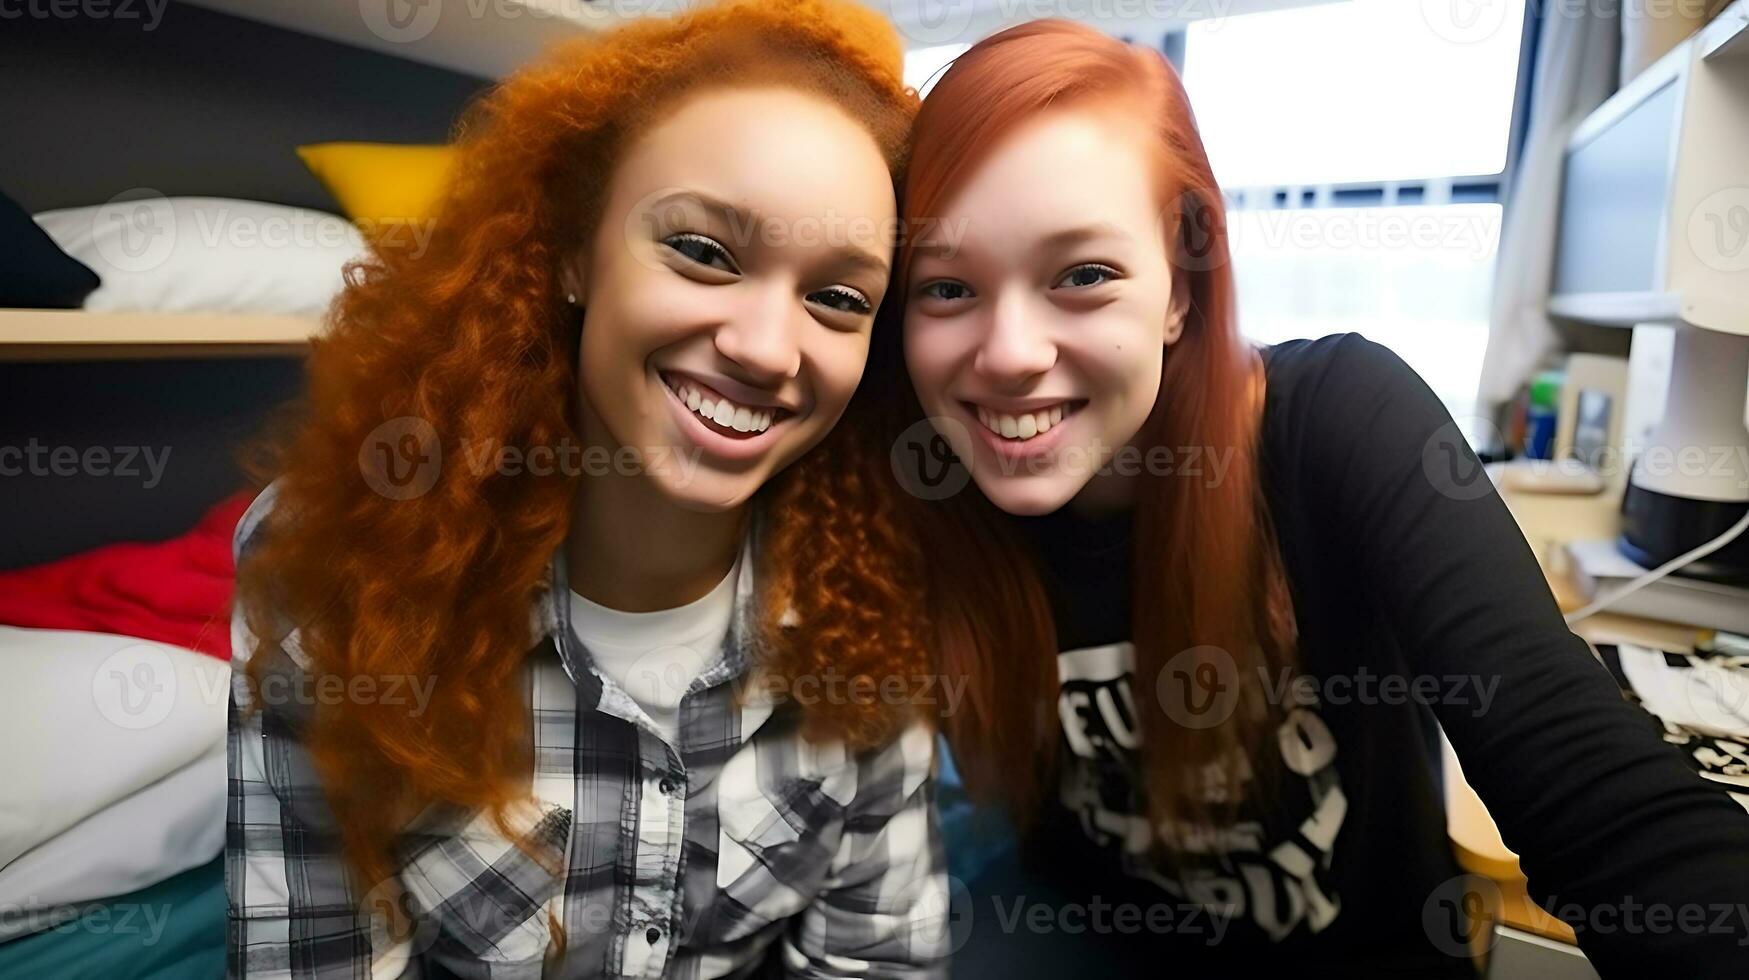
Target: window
1363 147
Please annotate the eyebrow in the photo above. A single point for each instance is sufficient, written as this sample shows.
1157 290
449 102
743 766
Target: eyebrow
1065 238
1081 235
849 257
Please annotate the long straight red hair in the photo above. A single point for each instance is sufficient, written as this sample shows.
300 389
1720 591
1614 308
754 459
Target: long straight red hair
1209 586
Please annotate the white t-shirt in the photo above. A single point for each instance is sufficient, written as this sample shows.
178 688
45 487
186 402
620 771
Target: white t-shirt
655 656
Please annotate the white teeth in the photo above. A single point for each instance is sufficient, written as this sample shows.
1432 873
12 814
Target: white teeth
723 412
1019 427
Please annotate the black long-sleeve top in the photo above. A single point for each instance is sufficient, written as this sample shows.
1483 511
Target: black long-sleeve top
1403 564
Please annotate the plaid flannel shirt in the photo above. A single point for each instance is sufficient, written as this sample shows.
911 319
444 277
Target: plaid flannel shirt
743 849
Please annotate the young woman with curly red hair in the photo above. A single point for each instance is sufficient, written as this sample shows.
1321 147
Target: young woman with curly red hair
1205 594
572 611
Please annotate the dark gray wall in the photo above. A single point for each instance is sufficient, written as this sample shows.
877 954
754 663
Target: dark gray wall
156 443
203 104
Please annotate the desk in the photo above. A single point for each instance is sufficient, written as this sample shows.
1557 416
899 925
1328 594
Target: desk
1548 521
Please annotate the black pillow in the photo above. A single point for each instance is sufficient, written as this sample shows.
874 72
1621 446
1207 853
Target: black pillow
34 272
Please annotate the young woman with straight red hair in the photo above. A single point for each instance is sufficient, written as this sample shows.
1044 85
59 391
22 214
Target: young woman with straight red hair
565 627
1202 594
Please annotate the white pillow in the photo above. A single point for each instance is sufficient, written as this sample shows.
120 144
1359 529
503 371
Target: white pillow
207 254
164 829
89 719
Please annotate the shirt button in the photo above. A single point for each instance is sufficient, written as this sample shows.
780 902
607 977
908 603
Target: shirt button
667 787
652 934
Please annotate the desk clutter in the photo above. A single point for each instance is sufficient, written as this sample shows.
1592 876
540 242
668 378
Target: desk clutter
1699 701
1599 569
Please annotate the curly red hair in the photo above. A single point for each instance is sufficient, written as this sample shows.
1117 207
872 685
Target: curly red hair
471 336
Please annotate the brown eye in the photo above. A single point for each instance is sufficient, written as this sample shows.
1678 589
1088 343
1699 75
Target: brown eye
705 251
1089 274
945 289
843 299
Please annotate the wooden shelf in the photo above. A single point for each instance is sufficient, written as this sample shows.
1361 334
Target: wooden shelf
78 335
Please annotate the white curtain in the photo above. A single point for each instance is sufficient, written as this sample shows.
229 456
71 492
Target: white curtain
1576 63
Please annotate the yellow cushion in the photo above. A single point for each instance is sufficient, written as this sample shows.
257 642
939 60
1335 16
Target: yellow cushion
381 186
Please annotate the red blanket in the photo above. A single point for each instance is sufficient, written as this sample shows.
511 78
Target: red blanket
176 591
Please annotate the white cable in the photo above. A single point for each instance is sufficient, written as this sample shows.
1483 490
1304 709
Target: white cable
1603 602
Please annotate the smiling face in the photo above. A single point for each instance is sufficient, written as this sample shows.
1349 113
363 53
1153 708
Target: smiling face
1041 334
730 288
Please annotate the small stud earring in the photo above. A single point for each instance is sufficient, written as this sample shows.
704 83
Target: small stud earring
571 298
